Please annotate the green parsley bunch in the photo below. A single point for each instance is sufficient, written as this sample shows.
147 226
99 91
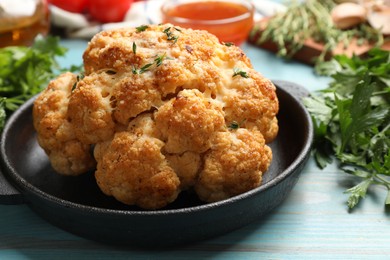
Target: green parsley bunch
26 71
352 120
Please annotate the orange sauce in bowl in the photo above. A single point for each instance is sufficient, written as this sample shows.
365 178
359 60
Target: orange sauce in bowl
229 21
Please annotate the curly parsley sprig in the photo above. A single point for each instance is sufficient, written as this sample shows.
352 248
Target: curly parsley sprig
352 120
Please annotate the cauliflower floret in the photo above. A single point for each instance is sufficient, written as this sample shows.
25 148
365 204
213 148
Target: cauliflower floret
188 122
157 105
140 91
56 136
90 108
134 171
186 166
234 165
251 105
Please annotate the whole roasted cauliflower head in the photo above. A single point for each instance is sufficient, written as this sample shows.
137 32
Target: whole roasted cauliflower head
165 109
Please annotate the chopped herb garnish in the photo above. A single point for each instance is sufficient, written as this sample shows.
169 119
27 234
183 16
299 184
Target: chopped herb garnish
142 69
239 72
145 67
234 125
134 48
142 28
135 71
157 61
81 76
170 35
228 44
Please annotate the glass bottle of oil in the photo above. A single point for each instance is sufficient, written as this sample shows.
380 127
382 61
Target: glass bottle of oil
22 20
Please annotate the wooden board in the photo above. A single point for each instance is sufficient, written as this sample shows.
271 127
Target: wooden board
312 49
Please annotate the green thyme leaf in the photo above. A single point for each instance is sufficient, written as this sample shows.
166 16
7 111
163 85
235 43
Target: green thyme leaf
239 72
81 76
145 68
159 59
234 125
135 71
134 48
157 62
228 44
142 28
170 35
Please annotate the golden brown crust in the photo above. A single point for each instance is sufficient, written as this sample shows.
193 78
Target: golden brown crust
90 109
234 165
55 133
186 166
195 60
253 103
134 171
188 122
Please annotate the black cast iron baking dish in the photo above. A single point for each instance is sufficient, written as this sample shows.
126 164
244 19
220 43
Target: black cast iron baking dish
76 205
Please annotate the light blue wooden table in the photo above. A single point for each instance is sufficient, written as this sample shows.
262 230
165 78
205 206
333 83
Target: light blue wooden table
313 223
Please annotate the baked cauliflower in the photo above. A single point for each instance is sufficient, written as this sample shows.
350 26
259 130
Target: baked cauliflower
160 110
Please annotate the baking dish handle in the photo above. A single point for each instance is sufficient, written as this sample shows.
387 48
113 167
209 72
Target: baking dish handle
8 194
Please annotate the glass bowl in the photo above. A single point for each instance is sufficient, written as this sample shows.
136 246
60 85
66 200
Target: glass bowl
229 20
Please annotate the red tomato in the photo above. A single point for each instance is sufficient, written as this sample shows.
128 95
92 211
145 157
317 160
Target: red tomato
107 11
75 6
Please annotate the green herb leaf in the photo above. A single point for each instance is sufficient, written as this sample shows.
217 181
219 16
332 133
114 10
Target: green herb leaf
228 44
234 125
142 28
157 61
239 72
351 120
357 192
26 71
170 35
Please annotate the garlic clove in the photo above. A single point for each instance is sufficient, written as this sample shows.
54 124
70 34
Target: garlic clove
347 15
379 18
